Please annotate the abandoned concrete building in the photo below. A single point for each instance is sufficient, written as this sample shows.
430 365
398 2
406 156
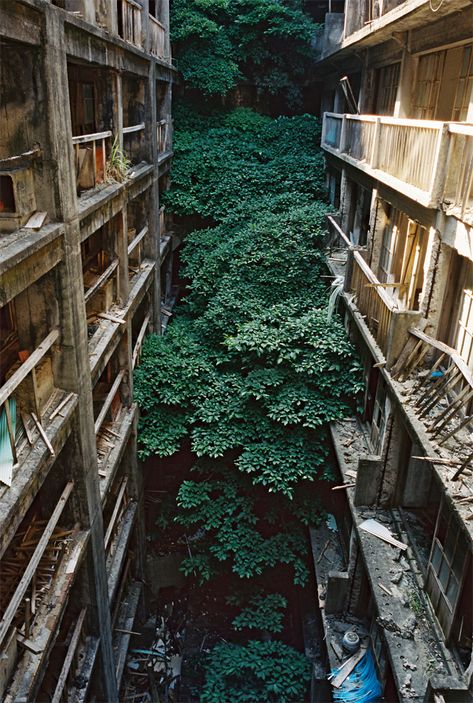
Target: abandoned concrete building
87 269
395 554
85 150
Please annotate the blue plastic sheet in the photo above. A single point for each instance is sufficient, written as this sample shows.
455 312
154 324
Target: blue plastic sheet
361 685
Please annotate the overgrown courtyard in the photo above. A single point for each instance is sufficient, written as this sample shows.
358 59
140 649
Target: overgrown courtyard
248 376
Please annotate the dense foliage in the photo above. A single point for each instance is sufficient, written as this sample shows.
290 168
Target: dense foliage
239 526
259 671
222 43
251 371
257 369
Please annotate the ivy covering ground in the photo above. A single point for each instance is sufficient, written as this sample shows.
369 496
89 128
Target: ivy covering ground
251 371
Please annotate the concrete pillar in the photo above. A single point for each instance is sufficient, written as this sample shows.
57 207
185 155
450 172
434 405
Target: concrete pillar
120 226
337 591
152 242
398 335
118 107
74 334
403 105
368 480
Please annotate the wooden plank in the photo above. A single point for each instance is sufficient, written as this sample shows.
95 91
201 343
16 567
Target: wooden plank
137 239
28 644
134 128
459 362
71 650
340 232
372 278
101 280
82 139
139 340
108 400
346 668
43 435
344 485
463 423
378 530
11 434
61 405
112 318
462 468
22 587
27 366
116 510
29 436
36 221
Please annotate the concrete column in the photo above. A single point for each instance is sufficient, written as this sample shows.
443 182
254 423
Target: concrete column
74 334
368 480
152 243
120 225
117 92
403 104
365 98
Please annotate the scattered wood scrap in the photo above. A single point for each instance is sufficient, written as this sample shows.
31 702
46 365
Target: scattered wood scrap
373 527
36 221
386 590
347 667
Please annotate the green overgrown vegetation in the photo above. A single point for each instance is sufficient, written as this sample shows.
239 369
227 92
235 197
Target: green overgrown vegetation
224 43
251 370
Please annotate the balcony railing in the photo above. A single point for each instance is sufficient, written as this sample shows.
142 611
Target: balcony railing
25 381
130 21
133 141
70 662
157 38
373 302
442 396
91 158
163 130
429 161
28 574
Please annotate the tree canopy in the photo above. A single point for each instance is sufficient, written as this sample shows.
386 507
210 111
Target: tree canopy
223 43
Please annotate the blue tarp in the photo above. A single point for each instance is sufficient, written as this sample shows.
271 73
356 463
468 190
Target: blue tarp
361 685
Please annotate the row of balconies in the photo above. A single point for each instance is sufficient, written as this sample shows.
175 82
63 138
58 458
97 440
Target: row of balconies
126 19
445 405
430 162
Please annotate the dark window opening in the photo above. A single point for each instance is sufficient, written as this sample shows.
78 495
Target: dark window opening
7 197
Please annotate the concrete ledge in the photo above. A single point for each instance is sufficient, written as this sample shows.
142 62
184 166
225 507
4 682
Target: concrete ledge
125 621
35 464
96 198
86 661
31 667
120 548
111 465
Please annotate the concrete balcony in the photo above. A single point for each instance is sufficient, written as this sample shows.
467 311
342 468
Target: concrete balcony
387 321
434 382
428 161
157 38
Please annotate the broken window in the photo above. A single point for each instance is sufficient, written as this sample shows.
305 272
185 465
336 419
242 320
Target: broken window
387 83
429 75
457 309
464 86
443 84
381 410
464 325
401 264
446 569
7 198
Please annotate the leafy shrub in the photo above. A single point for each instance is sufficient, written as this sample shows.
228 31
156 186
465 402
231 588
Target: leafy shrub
269 672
